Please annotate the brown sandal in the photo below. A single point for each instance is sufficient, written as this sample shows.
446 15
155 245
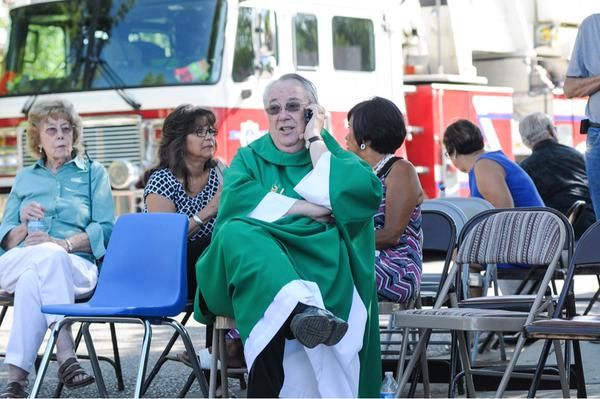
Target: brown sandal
71 369
14 390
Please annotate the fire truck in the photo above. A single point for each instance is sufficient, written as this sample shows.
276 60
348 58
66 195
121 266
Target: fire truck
126 64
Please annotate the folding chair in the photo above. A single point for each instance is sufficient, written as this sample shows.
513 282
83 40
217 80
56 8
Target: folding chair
571 328
143 280
531 236
439 241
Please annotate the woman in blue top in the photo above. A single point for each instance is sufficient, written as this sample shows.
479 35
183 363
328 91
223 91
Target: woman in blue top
492 176
70 200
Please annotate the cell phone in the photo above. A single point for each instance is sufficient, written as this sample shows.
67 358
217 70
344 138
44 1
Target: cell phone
308 114
584 126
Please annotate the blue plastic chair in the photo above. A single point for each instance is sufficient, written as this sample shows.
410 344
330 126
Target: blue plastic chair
143 280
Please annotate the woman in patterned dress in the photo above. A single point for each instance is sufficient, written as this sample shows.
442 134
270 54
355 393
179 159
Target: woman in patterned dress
376 131
188 180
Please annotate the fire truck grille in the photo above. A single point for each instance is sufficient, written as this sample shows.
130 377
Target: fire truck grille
103 144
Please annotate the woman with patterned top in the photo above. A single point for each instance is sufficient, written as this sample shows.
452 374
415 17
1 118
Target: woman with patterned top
188 180
376 131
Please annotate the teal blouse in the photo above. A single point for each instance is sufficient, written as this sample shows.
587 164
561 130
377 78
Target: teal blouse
65 197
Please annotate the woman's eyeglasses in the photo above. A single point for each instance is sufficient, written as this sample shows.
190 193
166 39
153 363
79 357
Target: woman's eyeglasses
52 130
205 132
275 109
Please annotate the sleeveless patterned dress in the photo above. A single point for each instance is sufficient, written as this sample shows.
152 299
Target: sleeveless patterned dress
398 269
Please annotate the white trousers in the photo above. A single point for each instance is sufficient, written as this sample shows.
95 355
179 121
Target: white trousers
39 275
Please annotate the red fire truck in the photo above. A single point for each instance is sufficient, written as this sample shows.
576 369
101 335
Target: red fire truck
125 64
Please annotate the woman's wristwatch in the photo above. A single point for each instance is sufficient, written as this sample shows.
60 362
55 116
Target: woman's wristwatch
197 219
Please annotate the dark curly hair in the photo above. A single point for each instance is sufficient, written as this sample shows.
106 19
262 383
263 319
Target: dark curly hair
178 124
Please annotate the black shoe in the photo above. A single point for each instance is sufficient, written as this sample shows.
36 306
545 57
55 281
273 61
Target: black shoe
316 326
14 390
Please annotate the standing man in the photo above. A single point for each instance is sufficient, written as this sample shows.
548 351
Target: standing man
558 171
583 79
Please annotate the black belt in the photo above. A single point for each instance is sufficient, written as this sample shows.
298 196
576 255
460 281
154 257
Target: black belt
594 124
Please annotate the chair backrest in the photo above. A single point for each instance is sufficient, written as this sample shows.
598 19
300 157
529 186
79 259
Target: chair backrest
470 206
527 236
448 208
144 270
586 255
439 235
575 211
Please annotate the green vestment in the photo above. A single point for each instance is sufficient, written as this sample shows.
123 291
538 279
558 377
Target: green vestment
249 260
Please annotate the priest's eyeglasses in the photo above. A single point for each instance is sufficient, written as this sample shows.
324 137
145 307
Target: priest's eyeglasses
292 106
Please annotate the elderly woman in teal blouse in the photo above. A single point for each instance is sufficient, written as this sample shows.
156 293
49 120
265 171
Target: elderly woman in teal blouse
57 222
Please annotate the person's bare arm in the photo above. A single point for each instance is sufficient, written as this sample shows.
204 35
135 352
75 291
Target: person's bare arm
308 209
158 203
581 87
490 177
14 237
403 194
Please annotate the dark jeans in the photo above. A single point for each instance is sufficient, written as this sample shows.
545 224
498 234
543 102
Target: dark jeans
194 250
592 166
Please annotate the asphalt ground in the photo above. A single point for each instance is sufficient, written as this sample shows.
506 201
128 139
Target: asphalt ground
173 374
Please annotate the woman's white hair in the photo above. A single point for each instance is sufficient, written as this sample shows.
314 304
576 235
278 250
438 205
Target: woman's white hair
536 127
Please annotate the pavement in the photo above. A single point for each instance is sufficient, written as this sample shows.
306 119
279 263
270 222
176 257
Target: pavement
174 374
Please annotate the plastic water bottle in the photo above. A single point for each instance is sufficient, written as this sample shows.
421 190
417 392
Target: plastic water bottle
36 225
388 386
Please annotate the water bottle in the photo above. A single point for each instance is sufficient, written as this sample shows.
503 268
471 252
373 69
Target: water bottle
388 386
36 225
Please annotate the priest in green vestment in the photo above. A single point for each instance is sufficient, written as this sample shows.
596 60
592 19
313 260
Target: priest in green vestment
292 256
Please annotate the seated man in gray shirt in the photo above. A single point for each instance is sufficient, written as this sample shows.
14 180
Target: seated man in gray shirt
557 171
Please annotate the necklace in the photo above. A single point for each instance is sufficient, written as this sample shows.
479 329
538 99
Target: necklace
382 163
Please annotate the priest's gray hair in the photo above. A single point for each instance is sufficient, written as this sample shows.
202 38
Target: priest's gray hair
535 128
309 87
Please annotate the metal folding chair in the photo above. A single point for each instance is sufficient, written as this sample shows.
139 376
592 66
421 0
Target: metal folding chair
531 236
565 324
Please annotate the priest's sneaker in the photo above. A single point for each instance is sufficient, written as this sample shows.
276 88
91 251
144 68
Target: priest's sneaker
315 326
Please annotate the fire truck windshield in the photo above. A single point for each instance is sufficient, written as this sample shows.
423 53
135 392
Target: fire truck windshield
78 45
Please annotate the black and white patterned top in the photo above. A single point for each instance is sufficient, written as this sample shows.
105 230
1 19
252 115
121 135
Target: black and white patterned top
163 182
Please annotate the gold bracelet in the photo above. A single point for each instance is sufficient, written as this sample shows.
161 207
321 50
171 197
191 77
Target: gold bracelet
69 245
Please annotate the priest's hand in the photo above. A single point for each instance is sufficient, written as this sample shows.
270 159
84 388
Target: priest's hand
308 209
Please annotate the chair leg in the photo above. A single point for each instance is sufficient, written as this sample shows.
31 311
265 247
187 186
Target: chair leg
94 360
562 370
425 373
416 356
213 364
539 369
581 391
46 359
402 357
463 351
162 359
189 347
143 358
510 367
186 387
224 378
117 358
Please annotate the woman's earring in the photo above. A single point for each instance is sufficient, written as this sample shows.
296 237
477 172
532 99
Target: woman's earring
363 146
40 149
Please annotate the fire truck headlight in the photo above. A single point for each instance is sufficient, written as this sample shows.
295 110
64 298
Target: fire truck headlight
123 174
